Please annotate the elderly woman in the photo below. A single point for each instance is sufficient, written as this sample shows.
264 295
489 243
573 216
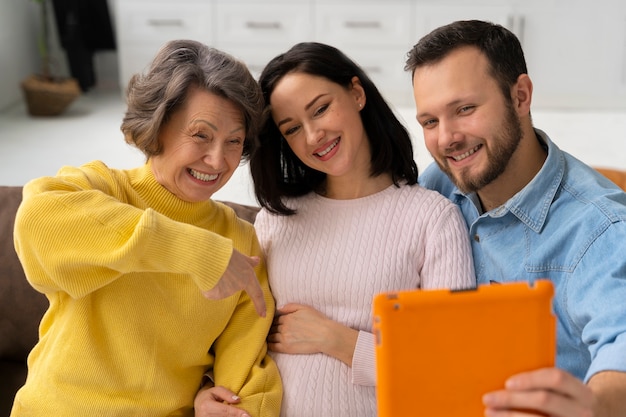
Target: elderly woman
151 283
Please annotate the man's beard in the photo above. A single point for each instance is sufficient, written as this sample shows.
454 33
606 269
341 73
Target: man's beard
498 155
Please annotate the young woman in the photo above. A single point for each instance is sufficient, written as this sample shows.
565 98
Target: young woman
342 219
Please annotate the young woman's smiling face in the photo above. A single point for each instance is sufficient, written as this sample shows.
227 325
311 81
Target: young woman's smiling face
322 124
202 146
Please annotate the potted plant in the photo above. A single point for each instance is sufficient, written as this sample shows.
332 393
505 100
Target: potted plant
46 94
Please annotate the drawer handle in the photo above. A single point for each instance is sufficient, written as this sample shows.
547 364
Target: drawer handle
165 22
263 25
372 24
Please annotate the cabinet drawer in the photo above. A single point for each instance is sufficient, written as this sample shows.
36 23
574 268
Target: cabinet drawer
263 24
134 59
385 67
257 58
139 21
365 24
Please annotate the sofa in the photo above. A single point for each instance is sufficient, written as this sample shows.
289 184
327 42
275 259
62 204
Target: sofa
618 176
21 307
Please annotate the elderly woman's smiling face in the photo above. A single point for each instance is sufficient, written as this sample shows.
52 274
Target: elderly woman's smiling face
202 146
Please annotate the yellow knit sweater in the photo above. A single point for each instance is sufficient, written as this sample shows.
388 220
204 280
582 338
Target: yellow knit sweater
128 332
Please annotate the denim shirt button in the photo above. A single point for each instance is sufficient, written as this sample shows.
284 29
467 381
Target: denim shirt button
477 238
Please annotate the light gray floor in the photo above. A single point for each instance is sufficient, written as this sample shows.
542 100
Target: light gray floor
32 147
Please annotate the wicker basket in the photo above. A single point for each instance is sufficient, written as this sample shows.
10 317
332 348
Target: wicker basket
49 98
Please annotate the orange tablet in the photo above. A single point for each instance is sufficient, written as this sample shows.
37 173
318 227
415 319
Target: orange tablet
439 351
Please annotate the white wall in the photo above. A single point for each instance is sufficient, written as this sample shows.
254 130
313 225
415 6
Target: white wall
20 26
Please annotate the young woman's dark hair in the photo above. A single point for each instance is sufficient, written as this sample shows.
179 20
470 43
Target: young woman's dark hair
277 172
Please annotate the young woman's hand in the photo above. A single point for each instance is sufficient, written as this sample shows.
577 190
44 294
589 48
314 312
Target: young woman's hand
300 329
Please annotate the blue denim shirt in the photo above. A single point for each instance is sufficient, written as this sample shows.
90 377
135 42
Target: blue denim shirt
568 225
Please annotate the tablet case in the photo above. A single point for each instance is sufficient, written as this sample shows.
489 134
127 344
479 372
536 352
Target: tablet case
439 351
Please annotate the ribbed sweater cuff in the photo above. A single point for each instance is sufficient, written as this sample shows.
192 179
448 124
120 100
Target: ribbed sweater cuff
363 360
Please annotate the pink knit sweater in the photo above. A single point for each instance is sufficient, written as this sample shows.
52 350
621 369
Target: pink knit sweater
335 255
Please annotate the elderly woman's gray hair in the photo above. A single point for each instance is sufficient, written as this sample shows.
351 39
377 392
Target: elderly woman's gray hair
153 96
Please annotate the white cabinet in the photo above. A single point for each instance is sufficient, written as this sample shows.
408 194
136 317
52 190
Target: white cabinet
575 49
258 31
143 26
576 53
376 35
431 14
